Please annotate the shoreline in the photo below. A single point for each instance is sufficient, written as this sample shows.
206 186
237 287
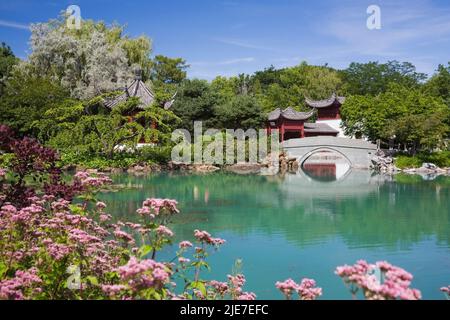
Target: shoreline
247 169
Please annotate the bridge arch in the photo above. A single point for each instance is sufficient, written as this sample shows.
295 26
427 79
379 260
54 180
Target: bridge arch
301 160
358 153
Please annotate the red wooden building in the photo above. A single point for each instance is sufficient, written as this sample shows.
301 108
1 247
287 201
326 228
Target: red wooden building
328 109
291 124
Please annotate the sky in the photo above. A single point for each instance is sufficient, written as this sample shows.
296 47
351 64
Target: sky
228 37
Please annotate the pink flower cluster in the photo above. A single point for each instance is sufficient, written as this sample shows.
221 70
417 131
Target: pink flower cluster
2 173
306 290
163 231
390 283
154 207
219 287
205 237
17 287
96 179
185 245
144 274
236 283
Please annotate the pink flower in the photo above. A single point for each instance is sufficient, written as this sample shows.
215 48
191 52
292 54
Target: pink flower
205 237
389 283
185 244
2 173
124 236
164 231
113 290
287 287
247 296
154 207
104 217
308 291
220 287
100 205
144 274
16 287
183 260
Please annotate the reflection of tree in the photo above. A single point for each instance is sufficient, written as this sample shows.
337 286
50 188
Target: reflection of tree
393 214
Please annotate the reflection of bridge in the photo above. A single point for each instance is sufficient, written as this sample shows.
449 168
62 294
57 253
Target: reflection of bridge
357 152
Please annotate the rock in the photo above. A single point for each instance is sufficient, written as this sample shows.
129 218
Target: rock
295 166
244 168
430 166
205 168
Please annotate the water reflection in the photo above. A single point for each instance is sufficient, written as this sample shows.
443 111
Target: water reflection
326 166
307 225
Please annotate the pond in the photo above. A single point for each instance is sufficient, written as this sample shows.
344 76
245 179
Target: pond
304 225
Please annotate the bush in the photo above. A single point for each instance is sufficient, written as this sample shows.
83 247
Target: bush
441 159
157 154
121 160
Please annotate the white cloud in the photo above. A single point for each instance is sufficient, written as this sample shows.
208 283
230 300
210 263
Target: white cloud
244 44
15 25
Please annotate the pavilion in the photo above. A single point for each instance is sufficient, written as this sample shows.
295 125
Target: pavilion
328 112
293 124
138 89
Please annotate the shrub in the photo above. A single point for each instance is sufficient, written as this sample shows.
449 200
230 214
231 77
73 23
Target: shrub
156 154
441 159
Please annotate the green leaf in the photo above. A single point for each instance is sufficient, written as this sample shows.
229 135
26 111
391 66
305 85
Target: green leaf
199 285
144 250
3 269
93 280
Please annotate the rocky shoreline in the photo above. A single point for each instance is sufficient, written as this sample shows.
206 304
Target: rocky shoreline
386 165
380 163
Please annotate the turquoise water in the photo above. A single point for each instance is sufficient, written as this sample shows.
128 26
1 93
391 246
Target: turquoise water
297 226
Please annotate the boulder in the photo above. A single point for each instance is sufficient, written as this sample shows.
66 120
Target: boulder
205 168
244 168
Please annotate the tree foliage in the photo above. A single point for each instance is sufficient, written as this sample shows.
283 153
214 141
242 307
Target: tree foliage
87 62
7 61
406 115
373 78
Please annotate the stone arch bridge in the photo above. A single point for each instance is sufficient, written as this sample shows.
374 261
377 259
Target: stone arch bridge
358 153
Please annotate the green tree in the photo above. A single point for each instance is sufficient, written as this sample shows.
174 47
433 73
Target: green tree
288 87
25 100
195 102
7 61
74 127
439 84
88 62
168 70
373 77
242 111
412 118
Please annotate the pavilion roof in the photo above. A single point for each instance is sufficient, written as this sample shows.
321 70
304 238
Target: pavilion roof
140 90
289 114
319 128
325 103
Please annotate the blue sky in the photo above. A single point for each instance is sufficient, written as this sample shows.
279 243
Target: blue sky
227 37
